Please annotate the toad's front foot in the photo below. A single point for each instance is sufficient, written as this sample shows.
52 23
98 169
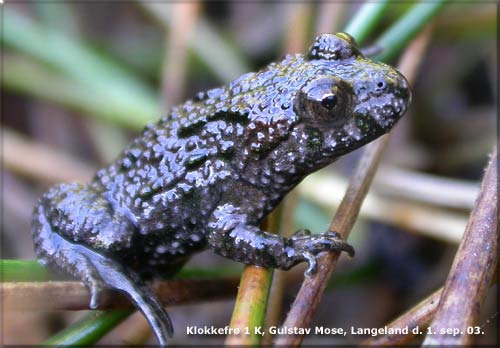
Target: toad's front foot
304 246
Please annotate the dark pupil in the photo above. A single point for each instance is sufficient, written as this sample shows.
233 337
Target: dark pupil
329 101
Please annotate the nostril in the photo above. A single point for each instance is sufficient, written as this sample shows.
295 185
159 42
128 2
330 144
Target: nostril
381 85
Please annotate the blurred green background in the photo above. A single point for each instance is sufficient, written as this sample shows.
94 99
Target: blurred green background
79 80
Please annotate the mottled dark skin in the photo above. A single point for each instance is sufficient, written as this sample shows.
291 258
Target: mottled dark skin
207 174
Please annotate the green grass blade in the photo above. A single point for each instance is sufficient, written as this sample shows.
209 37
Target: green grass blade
78 62
32 271
23 271
89 329
368 16
27 76
394 39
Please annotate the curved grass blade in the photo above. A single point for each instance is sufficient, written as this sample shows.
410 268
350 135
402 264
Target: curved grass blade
89 329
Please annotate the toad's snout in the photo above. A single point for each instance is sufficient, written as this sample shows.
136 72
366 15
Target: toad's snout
390 98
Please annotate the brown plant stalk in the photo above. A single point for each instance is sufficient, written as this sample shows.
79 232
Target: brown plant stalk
417 318
421 315
73 295
472 269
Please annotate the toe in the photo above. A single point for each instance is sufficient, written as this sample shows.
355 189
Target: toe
311 260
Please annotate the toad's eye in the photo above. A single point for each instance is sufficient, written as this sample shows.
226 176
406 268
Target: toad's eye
324 100
329 101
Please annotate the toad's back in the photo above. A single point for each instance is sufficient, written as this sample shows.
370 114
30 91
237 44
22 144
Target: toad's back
206 143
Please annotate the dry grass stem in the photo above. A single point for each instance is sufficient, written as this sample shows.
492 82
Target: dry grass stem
41 162
419 316
430 221
185 15
472 269
72 295
298 19
425 188
329 16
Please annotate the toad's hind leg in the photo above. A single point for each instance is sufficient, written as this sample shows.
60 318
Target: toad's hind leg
115 276
99 272
57 246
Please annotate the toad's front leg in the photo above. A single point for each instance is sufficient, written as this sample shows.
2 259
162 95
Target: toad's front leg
232 236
